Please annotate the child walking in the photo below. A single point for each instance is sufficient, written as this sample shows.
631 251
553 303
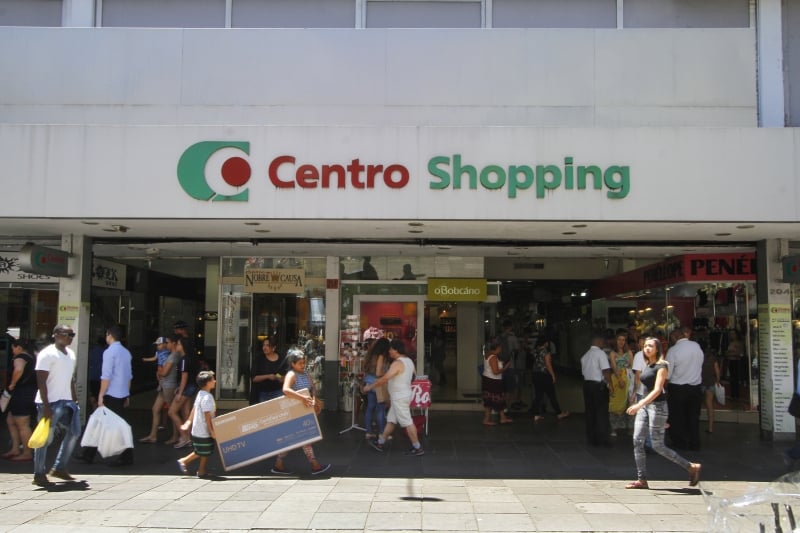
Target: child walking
297 379
199 421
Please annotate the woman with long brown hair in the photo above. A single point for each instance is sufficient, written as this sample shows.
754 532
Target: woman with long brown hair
651 417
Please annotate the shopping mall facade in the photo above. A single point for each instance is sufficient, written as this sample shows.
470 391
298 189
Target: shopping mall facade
404 166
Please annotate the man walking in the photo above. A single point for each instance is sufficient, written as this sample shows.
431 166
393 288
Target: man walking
684 391
596 383
57 400
115 387
398 377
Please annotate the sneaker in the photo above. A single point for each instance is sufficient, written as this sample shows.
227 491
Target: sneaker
42 481
321 469
376 444
415 451
61 474
280 471
182 468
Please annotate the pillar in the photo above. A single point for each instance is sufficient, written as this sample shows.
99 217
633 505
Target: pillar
74 306
333 319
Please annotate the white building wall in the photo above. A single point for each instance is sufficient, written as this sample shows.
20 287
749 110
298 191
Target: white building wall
511 77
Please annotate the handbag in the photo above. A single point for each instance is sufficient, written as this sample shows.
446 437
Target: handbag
4 400
794 405
40 434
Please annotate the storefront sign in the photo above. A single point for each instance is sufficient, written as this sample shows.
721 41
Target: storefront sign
10 271
420 393
274 280
263 430
68 313
680 269
457 289
446 172
109 275
450 172
41 260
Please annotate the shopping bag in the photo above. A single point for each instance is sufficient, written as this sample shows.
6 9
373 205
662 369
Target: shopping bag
719 393
4 399
40 434
107 432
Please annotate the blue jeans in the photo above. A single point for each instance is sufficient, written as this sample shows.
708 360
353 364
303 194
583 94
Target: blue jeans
66 420
380 413
650 421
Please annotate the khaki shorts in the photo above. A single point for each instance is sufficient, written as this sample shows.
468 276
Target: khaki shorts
168 394
400 413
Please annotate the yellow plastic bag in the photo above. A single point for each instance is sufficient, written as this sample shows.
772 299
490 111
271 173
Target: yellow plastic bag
39 436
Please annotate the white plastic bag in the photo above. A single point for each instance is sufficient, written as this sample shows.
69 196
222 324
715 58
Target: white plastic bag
107 432
719 393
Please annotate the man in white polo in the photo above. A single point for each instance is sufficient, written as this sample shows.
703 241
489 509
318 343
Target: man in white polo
684 391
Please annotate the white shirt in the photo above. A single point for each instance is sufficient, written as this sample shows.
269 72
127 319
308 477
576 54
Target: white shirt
593 363
400 386
637 366
204 403
686 361
61 367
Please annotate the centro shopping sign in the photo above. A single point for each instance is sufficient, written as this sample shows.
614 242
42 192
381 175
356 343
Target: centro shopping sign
446 172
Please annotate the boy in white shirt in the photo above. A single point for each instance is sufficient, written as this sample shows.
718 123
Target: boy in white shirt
203 434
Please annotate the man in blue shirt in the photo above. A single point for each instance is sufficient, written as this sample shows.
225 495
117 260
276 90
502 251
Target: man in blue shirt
115 387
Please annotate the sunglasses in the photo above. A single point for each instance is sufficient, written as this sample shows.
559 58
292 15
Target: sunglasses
70 334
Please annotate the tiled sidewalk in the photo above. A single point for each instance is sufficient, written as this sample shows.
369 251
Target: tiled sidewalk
116 503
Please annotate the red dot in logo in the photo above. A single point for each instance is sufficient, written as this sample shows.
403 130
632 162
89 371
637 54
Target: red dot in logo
236 171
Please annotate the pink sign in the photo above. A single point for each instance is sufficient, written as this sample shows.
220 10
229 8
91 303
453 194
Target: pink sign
421 393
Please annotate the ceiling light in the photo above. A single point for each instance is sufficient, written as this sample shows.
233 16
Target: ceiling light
746 226
415 231
722 234
568 232
579 225
89 222
252 223
262 231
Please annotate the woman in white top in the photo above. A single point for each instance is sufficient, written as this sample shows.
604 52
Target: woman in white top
492 385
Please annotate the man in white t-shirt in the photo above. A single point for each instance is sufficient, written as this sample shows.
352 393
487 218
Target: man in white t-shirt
596 371
684 391
57 400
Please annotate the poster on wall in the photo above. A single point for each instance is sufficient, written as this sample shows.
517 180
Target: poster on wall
777 374
227 366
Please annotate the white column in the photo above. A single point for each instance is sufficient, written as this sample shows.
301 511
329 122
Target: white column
769 50
775 361
74 305
333 321
77 13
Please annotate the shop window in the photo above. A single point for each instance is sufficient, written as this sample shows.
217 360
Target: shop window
398 14
554 14
293 14
164 13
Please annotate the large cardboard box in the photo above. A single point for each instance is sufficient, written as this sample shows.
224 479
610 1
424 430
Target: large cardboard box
263 430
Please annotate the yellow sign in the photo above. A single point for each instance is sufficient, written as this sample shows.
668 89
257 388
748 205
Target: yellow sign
457 289
275 280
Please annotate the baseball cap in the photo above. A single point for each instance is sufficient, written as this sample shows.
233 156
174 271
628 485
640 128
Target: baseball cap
180 324
160 340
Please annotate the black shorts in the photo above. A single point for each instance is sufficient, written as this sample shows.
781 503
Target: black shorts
203 446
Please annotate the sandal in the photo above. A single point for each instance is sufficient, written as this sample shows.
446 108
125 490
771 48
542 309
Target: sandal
638 484
694 474
9 455
150 440
182 468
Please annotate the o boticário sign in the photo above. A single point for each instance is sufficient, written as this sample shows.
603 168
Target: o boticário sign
445 172
457 289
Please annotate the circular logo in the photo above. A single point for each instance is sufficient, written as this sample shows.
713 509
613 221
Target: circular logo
236 171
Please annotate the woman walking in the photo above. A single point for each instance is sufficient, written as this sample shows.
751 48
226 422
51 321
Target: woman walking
374 367
492 386
651 416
